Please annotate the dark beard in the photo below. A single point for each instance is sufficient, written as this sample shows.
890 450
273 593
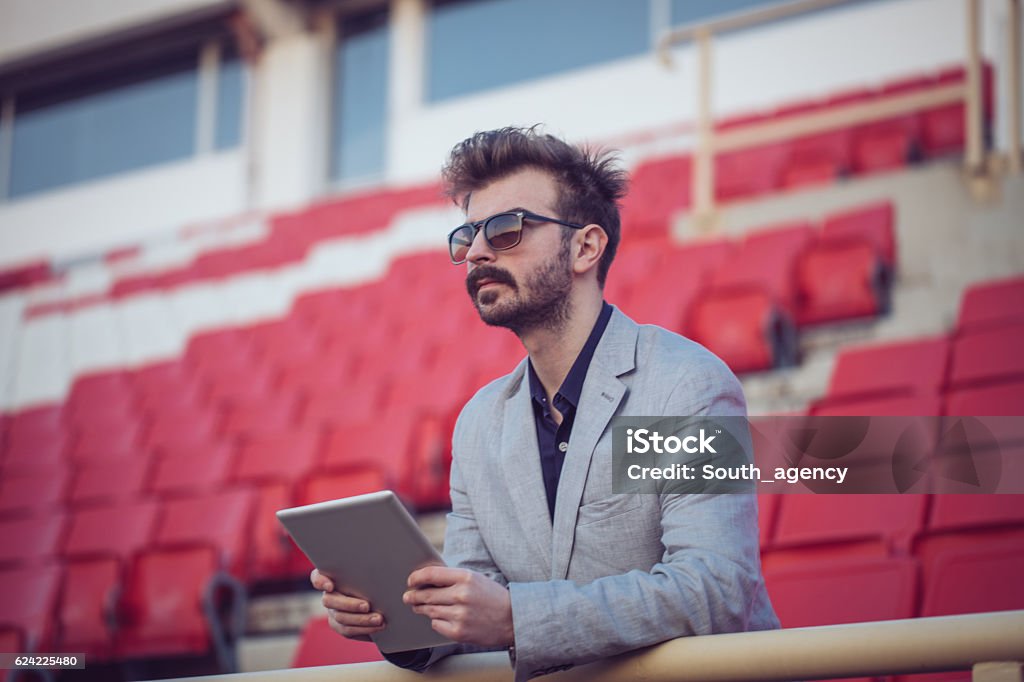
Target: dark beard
546 305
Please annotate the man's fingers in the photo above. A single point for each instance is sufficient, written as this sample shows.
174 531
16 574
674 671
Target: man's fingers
320 581
352 632
372 621
446 629
435 576
343 602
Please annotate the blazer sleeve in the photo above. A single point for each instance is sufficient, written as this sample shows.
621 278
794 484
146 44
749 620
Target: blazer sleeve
708 580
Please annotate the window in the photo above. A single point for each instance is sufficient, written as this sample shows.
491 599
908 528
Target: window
485 44
115 117
360 105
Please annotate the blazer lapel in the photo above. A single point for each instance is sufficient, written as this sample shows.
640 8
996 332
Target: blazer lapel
520 463
603 392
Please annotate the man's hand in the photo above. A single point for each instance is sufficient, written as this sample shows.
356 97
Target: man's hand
349 616
464 606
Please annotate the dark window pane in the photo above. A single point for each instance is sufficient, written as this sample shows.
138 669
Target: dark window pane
478 45
230 97
360 98
119 129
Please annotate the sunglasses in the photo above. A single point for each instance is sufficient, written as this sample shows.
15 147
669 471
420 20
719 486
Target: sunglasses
502 231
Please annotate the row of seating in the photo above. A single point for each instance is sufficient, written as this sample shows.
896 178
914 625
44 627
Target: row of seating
746 300
662 186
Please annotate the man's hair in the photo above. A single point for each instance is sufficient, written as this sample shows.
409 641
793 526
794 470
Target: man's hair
589 182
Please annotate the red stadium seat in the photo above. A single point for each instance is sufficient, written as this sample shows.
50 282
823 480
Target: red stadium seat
320 645
841 280
30 542
988 356
192 425
767 259
965 512
872 222
998 400
284 456
101 443
749 172
885 521
220 520
253 418
852 590
382 444
35 444
273 552
975 577
809 173
325 406
904 368
745 328
321 487
992 303
878 148
29 596
192 472
114 530
88 610
659 189
106 481
32 494
173 605
671 280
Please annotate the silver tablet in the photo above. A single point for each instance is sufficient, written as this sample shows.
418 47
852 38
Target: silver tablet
368 545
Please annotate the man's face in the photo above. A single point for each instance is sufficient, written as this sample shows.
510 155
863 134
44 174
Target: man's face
526 287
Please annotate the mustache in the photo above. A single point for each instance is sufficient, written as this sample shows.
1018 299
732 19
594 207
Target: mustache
490 272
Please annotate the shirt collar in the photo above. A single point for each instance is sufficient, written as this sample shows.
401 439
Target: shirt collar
572 387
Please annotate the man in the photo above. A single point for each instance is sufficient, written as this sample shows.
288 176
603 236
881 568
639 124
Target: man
543 558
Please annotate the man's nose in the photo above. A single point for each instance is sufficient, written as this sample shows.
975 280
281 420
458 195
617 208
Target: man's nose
479 251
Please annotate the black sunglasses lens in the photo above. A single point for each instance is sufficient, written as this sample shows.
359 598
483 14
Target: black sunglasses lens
503 231
459 242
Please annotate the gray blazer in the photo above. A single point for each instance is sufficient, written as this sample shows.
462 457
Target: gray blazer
613 572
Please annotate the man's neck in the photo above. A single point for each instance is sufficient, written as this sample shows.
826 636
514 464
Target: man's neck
553 351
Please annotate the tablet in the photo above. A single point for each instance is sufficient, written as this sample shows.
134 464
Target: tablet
368 545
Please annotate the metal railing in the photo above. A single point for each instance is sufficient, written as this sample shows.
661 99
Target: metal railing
978 167
989 644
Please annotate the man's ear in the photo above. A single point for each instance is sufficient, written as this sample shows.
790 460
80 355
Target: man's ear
589 246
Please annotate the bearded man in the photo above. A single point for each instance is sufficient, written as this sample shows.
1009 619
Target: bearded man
543 558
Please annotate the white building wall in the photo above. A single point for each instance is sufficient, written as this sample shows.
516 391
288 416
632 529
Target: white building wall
863 44
89 218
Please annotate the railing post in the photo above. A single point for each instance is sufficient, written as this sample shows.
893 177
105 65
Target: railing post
997 672
974 119
1013 89
704 166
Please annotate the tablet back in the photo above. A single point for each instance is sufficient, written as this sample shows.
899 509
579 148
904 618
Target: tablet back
368 545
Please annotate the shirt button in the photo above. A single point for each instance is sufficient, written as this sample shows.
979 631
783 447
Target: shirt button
563 446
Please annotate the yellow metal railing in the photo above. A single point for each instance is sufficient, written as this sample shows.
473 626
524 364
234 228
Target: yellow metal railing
990 644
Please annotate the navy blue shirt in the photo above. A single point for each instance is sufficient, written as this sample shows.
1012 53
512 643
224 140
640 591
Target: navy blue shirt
553 438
